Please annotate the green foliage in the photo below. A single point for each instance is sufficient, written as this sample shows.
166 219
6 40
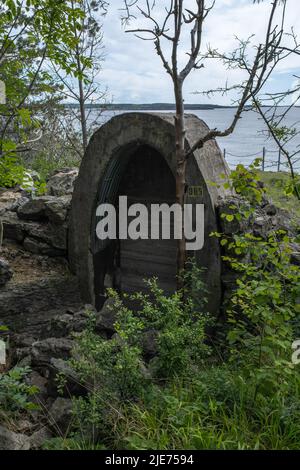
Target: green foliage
3 328
179 326
213 411
280 189
245 182
283 133
266 302
11 172
116 371
32 33
112 372
14 392
46 22
263 309
62 156
59 443
185 397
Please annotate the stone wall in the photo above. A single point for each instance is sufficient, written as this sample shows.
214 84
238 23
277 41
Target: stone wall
39 224
35 282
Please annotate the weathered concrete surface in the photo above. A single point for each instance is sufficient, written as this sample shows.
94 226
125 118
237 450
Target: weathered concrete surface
123 134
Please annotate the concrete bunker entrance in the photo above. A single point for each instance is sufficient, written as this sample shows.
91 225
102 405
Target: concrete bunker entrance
134 154
141 173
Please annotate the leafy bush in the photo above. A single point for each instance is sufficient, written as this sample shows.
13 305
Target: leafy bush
115 371
14 392
46 164
265 306
263 310
11 172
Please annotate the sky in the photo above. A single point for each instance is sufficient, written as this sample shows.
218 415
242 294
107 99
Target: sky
133 73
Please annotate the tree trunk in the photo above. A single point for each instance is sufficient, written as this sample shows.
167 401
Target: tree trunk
82 115
180 174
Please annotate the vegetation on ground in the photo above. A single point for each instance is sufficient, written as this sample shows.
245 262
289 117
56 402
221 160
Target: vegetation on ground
205 383
276 184
237 389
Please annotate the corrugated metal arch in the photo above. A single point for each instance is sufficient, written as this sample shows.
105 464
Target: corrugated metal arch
108 190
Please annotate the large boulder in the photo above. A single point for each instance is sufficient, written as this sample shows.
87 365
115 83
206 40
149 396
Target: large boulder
38 438
43 351
13 227
12 441
53 235
106 319
72 385
52 208
10 200
40 224
38 247
64 324
62 183
37 235
33 209
57 209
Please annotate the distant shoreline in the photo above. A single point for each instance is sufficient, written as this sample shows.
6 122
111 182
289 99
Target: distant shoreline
154 106
149 107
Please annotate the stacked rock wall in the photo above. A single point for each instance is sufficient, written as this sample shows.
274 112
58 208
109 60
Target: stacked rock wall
40 223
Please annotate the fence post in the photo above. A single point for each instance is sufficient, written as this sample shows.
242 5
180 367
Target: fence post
224 154
263 159
279 160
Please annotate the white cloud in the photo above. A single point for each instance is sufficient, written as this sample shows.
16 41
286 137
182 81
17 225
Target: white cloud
133 72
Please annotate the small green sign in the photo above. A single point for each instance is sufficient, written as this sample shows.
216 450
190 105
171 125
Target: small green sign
195 191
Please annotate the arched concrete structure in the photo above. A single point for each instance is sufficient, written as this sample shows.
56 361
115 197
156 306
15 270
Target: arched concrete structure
117 141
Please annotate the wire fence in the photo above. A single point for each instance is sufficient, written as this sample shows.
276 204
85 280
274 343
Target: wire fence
271 160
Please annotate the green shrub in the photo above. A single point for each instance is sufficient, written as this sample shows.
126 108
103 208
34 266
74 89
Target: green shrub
264 310
46 164
14 392
12 172
265 307
115 371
